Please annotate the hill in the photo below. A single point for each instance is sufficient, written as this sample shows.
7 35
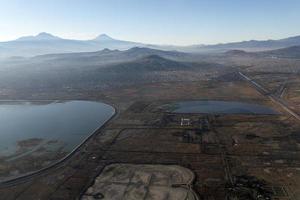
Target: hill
290 52
137 66
154 63
105 57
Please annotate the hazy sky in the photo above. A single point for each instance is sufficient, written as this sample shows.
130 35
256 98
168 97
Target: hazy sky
152 21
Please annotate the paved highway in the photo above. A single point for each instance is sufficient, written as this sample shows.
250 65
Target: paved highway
273 98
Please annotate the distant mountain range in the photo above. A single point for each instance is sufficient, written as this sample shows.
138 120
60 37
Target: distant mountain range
40 37
292 52
255 45
45 43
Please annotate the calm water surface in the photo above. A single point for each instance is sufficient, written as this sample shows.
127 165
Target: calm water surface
219 107
28 126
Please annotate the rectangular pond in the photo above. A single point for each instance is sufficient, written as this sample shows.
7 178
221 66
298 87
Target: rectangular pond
218 107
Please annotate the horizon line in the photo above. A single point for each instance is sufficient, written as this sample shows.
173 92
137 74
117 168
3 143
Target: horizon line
113 38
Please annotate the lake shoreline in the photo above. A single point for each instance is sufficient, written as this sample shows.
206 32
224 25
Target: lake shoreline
23 177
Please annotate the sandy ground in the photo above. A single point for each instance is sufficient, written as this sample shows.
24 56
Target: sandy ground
129 181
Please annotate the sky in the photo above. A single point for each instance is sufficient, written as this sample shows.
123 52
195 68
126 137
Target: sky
178 22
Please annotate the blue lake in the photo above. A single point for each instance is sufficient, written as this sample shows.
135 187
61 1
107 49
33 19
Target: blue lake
219 107
46 131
